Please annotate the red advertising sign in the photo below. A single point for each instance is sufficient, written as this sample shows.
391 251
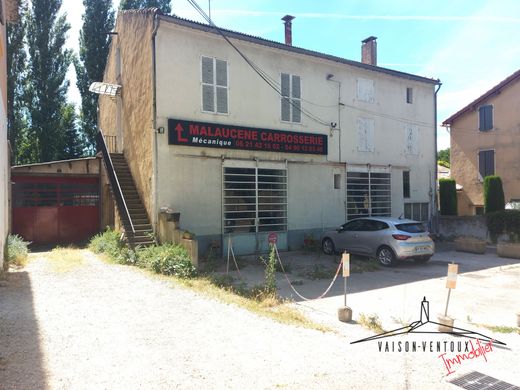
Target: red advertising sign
215 135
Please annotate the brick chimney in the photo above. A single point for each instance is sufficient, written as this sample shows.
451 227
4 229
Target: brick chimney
369 51
288 29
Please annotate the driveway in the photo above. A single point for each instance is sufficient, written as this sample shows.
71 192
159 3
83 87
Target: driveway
98 325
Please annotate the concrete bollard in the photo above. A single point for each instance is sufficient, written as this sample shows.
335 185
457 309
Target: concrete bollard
445 323
345 314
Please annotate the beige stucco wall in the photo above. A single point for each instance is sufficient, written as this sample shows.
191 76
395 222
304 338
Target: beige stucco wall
467 140
312 199
133 39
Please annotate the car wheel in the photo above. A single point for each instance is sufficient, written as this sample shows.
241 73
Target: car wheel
422 259
386 256
328 246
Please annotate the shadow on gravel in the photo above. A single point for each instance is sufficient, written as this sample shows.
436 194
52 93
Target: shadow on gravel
402 272
21 360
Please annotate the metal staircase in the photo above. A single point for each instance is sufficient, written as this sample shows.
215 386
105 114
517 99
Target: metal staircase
136 223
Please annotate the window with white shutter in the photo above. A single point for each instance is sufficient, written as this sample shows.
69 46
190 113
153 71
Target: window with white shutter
291 98
214 76
411 139
365 90
365 131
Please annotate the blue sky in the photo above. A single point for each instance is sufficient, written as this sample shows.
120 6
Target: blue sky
470 45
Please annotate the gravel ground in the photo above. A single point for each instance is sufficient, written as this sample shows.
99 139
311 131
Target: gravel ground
104 326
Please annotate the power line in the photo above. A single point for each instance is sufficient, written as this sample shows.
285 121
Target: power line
271 82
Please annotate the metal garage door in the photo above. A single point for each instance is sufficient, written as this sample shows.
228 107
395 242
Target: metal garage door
55 210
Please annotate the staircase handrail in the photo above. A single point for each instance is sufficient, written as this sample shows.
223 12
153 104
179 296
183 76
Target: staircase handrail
120 199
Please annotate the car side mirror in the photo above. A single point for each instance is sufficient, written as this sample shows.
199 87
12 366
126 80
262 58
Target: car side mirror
341 228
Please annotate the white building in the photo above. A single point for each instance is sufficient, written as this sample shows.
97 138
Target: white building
246 136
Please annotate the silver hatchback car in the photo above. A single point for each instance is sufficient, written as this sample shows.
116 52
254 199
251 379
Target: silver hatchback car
386 239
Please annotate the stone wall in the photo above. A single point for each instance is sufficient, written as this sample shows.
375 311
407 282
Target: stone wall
471 226
133 45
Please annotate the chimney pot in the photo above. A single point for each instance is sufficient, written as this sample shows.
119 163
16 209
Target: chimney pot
288 29
369 51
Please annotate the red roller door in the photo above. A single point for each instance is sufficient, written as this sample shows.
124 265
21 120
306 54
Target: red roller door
55 210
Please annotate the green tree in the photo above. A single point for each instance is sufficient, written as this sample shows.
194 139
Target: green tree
448 196
71 145
443 157
98 19
46 84
493 194
16 75
163 5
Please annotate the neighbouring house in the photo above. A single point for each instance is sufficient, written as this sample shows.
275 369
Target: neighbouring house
245 136
8 14
485 140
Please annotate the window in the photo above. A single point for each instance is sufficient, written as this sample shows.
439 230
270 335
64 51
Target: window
485 117
214 85
365 131
409 95
486 163
255 200
479 210
416 211
365 90
337 181
368 194
406 184
291 98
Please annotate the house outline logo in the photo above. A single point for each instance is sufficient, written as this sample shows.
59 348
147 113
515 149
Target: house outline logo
424 319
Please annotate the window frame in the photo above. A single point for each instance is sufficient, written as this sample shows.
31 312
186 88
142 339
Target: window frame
480 176
409 95
291 98
480 124
214 86
406 194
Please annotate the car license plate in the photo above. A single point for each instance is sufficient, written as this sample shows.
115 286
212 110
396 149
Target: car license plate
421 248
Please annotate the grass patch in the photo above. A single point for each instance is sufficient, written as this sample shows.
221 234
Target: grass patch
500 328
319 271
360 265
64 259
371 322
256 300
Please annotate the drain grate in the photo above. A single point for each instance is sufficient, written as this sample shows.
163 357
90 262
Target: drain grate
478 381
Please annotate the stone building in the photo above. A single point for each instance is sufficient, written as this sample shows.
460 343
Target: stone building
244 136
485 140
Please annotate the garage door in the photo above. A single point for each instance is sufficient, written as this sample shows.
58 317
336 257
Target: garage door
55 210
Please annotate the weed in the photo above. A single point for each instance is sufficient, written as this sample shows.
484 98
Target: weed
167 259
17 251
286 267
401 321
371 322
270 271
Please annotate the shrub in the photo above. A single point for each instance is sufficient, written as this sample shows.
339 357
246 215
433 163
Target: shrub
448 196
109 243
17 251
500 222
167 259
493 194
